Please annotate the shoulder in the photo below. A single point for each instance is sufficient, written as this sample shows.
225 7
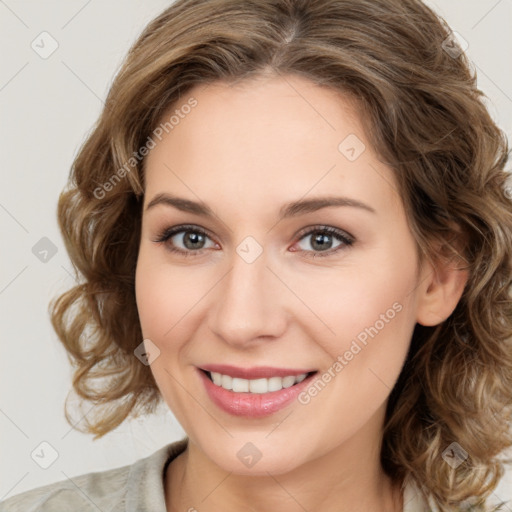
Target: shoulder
121 489
80 493
414 501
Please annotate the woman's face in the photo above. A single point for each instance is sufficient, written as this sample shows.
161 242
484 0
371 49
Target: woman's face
258 282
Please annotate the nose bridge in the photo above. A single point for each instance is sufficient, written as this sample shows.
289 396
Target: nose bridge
247 302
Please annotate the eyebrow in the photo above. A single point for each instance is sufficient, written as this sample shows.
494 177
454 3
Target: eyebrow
292 209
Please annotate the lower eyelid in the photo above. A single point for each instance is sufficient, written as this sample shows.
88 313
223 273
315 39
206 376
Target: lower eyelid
344 244
169 233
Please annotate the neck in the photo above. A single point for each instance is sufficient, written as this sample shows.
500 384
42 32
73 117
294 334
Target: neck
348 478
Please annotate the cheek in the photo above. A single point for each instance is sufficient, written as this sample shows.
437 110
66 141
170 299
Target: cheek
164 294
367 311
370 312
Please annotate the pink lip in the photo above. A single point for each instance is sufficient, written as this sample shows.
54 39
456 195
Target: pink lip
252 405
258 372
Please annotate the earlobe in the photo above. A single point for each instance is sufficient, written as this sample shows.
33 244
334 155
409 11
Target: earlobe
441 287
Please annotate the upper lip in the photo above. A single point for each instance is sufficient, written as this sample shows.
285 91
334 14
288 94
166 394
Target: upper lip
256 372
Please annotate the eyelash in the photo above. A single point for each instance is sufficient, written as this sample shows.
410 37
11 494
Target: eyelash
347 240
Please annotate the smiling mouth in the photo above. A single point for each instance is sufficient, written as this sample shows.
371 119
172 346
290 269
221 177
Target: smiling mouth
255 386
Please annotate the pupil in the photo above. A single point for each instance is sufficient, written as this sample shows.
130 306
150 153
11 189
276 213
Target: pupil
194 238
321 242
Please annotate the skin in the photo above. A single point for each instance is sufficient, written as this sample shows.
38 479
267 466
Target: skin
245 150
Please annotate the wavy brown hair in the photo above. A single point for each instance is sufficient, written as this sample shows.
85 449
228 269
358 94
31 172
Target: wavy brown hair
425 117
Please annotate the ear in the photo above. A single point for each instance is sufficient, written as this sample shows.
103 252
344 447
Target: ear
442 283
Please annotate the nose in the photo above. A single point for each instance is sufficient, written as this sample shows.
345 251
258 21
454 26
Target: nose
248 304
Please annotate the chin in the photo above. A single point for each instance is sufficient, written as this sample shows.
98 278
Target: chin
243 457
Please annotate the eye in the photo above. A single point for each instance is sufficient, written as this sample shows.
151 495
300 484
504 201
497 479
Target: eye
192 239
322 241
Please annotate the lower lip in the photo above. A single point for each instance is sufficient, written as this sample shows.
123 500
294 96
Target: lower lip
252 405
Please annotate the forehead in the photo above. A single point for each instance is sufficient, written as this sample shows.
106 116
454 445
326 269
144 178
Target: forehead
267 138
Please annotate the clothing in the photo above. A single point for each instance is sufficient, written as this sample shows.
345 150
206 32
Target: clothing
138 487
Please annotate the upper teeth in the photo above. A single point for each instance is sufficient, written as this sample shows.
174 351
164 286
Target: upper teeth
255 385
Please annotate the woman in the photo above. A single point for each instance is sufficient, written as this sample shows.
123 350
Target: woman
293 225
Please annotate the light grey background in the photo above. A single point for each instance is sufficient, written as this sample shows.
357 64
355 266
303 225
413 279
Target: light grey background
47 108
